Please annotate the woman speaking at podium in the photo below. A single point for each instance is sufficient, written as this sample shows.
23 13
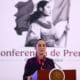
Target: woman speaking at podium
39 62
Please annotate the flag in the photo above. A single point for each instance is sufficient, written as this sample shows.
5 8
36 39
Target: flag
60 10
60 13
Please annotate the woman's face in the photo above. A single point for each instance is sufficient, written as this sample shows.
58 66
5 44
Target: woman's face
47 9
41 48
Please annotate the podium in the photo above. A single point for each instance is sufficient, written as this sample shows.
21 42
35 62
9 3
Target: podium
69 74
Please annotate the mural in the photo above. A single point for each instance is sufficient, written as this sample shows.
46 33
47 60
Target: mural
48 20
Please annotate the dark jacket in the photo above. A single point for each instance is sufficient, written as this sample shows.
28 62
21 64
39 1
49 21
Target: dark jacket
33 65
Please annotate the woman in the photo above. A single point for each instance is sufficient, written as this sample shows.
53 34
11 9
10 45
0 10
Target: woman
41 26
39 62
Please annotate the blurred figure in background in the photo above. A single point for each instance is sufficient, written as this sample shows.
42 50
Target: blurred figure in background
51 18
41 25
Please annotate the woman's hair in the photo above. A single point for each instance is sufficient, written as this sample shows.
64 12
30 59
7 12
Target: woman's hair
37 14
41 5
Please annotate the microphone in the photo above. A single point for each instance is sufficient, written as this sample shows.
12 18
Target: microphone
58 65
